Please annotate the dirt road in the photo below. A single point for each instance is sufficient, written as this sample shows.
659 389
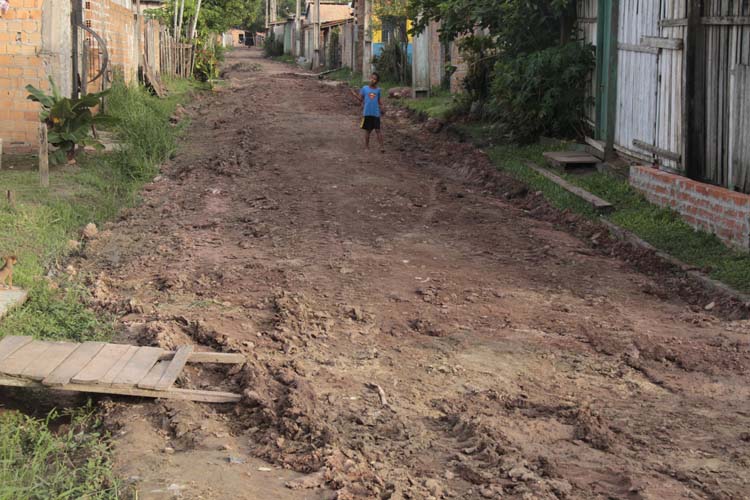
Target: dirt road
408 335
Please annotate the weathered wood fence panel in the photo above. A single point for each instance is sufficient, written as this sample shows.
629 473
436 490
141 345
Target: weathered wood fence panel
638 77
669 140
726 45
587 27
739 125
177 58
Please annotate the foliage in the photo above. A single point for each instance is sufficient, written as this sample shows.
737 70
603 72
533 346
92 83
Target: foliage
392 64
207 60
273 47
216 16
517 25
69 121
39 464
542 93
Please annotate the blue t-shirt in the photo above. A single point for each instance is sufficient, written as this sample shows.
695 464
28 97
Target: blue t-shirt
372 101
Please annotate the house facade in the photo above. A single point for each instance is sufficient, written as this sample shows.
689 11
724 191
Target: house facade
671 90
78 43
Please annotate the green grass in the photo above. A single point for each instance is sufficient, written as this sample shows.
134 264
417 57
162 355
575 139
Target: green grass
441 104
35 461
355 80
286 58
663 228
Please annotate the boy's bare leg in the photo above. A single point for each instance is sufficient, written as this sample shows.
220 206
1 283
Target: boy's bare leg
380 140
367 138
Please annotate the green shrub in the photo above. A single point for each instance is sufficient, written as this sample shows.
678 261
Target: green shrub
392 64
207 61
273 47
69 121
542 93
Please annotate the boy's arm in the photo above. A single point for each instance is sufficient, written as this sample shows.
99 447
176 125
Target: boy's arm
357 95
380 103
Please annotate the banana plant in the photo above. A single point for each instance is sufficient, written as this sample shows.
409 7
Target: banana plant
70 121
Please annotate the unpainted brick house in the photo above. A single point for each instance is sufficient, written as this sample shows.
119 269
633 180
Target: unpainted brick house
54 38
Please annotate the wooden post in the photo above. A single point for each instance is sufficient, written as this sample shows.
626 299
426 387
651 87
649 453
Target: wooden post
1 154
43 156
11 197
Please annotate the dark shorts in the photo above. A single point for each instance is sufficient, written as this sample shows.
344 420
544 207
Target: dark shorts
370 123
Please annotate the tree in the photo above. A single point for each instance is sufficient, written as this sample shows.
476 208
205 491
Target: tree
216 16
517 26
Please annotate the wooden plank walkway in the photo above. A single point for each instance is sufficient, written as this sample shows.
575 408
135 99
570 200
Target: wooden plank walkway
106 368
569 159
597 203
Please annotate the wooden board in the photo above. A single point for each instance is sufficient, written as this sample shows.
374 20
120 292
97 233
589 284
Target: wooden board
154 375
182 394
73 364
568 159
9 345
230 358
43 366
596 202
118 366
17 362
173 370
138 367
102 368
101 364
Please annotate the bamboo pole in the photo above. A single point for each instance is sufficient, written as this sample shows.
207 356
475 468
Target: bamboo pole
193 32
43 156
179 26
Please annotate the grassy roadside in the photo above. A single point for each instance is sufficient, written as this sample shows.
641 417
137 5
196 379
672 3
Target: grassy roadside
39 230
355 80
661 227
286 58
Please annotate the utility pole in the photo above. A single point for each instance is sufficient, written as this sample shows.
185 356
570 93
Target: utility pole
367 41
298 29
316 36
268 2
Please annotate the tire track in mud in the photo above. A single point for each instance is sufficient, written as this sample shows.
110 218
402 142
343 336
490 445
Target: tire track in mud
517 361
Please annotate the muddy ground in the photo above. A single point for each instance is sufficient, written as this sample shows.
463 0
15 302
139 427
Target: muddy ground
410 332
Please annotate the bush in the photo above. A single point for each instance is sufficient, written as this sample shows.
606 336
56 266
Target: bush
542 93
207 60
143 129
273 47
392 64
69 121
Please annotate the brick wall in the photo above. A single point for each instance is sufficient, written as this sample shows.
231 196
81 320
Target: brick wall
20 65
35 43
713 209
114 20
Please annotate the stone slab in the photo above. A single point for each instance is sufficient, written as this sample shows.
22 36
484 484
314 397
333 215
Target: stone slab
10 299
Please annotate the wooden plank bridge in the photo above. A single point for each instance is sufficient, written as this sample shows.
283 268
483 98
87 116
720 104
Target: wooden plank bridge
98 367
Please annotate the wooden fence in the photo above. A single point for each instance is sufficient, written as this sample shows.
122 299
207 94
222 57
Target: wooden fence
175 58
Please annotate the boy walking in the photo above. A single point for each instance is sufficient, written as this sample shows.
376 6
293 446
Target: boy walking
372 109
